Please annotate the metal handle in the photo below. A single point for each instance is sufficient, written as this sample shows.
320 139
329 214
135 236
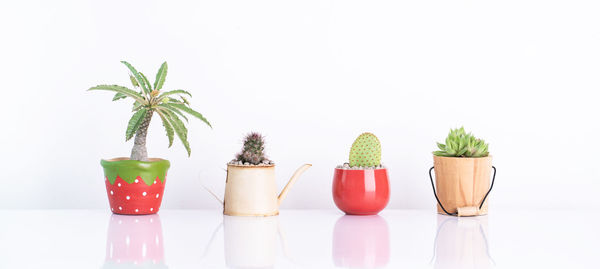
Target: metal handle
440 203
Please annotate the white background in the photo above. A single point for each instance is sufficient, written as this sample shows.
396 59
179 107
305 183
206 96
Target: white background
311 76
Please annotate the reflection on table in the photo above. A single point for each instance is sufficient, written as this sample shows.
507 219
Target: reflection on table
461 243
361 242
250 242
134 242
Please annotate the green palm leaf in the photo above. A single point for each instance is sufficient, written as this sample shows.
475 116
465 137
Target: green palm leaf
133 81
146 81
136 106
134 123
120 89
180 130
167 125
165 94
161 75
191 112
119 96
185 101
137 77
173 109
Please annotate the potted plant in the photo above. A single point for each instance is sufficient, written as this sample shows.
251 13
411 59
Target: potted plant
135 185
361 187
250 187
462 170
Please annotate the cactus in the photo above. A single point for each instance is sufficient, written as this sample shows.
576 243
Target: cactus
462 144
365 151
253 150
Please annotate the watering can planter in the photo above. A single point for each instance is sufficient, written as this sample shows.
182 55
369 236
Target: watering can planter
463 185
252 190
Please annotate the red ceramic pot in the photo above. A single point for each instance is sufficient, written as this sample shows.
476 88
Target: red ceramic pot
361 192
135 187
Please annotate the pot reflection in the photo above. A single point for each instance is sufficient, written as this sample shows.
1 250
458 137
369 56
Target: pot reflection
134 242
361 242
250 242
461 243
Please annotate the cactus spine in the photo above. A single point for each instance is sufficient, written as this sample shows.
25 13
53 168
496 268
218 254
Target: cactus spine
365 151
253 150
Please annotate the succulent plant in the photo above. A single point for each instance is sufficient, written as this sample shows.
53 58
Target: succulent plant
253 150
365 151
147 99
462 144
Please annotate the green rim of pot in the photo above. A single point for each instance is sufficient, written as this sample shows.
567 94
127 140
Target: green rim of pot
129 170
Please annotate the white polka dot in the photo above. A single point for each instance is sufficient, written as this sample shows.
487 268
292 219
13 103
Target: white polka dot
120 208
136 210
111 193
157 195
144 193
128 197
155 182
136 181
112 209
119 184
151 209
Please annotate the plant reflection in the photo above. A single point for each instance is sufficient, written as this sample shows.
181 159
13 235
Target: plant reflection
461 243
134 242
361 242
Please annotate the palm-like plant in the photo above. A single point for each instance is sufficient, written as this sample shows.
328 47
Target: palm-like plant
149 99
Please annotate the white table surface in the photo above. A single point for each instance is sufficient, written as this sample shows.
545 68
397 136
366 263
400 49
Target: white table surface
298 239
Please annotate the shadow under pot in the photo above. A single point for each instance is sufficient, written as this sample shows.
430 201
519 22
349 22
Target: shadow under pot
462 184
135 187
361 192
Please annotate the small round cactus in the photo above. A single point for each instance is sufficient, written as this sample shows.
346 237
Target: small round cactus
253 150
365 151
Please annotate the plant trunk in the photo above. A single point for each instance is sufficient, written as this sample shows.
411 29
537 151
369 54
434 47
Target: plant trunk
139 152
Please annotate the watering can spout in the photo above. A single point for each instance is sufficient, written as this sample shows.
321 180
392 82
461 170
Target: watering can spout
291 182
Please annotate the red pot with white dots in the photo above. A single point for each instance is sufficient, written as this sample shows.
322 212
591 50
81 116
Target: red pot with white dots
135 187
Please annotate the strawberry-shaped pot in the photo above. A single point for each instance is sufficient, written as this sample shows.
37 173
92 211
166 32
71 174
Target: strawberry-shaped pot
135 187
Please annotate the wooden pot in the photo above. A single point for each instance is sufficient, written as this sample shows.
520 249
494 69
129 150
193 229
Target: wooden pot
462 184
